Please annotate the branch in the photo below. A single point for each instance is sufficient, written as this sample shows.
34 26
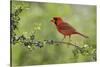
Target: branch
67 43
60 42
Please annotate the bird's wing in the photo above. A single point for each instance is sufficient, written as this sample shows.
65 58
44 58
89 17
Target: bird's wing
65 26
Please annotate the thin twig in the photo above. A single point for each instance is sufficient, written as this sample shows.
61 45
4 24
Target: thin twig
60 42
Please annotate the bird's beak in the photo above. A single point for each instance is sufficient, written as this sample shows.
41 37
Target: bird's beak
52 20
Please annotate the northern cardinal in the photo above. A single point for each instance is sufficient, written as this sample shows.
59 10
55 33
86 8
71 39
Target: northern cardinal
65 28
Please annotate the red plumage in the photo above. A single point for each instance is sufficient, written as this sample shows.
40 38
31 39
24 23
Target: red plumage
65 28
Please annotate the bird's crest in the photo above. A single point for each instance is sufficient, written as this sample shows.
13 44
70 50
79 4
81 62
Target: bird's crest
57 17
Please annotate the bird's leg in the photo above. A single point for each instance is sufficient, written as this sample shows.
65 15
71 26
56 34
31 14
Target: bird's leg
64 37
69 38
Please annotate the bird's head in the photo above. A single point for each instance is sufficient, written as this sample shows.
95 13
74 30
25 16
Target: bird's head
56 20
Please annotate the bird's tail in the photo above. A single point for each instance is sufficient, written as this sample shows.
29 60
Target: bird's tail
82 34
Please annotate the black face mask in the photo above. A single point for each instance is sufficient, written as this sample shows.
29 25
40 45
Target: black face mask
55 21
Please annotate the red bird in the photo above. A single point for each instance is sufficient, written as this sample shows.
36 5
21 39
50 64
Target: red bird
65 28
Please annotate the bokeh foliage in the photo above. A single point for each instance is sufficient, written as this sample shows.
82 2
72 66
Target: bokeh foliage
31 28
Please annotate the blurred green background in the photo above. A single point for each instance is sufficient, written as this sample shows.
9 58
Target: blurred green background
36 17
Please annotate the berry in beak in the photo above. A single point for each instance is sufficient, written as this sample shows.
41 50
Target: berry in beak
52 20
